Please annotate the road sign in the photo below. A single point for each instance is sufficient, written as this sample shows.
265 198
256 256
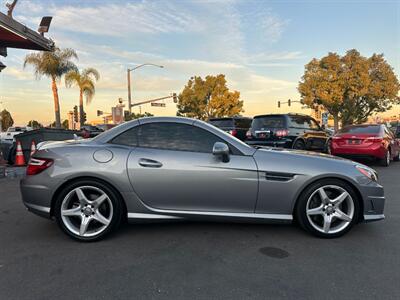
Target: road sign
158 104
325 118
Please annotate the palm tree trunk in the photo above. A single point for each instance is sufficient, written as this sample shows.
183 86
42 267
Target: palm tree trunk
81 119
56 102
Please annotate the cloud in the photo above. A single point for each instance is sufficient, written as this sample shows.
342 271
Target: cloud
18 73
273 26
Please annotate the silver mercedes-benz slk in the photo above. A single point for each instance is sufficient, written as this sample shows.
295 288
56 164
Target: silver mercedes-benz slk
170 168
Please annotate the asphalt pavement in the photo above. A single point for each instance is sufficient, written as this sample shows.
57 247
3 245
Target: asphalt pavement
199 260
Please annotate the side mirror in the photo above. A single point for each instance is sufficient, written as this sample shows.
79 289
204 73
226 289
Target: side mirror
221 150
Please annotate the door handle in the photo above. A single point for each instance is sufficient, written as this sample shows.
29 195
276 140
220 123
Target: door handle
149 163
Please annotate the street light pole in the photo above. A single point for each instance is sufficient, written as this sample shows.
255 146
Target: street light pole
129 82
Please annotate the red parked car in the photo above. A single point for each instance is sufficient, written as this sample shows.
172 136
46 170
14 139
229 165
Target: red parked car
366 141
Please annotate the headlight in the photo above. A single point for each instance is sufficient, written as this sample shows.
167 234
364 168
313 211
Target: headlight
368 172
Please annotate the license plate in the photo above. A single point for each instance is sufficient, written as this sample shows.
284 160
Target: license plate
262 135
354 142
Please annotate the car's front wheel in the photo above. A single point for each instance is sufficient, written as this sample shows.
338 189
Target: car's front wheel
87 210
328 208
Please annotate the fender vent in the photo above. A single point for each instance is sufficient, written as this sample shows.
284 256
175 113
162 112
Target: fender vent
276 176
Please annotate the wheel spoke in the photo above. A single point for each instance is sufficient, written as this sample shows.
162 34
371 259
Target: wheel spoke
339 199
97 202
100 218
324 197
76 211
327 223
315 211
342 216
81 196
84 225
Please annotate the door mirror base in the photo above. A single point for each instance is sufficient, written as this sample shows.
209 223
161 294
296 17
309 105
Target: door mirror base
221 150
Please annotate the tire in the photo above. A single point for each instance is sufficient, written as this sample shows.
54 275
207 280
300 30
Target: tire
397 157
327 219
88 210
299 145
385 162
328 147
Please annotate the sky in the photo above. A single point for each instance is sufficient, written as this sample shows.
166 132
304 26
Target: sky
261 47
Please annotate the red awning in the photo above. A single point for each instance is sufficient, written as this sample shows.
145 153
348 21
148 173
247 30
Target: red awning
16 35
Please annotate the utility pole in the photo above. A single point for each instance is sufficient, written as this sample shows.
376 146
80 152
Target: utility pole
129 82
129 92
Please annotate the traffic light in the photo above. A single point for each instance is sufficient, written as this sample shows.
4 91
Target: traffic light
99 113
289 102
279 104
76 114
84 117
175 98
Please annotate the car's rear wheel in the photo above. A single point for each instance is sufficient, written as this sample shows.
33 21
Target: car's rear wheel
328 208
386 160
299 145
88 210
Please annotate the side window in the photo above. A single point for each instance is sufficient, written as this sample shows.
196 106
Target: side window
128 138
313 124
176 136
298 122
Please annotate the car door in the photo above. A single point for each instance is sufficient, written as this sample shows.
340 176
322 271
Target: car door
173 168
316 137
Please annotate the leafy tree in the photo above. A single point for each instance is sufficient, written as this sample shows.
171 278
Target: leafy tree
34 124
85 81
53 65
6 119
350 88
65 124
134 116
208 98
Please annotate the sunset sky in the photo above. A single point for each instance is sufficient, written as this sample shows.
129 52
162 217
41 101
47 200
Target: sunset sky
261 46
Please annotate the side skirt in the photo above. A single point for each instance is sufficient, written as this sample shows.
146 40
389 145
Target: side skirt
170 215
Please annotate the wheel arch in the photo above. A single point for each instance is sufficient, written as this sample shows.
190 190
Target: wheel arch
344 180
81 178
300 138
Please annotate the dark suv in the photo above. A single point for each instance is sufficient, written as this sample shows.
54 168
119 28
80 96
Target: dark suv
236 126
288 131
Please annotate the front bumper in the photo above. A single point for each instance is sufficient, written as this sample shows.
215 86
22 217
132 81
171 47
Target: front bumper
374 202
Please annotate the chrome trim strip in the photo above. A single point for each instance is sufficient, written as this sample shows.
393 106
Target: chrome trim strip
163 214
150 216
370 218
38 207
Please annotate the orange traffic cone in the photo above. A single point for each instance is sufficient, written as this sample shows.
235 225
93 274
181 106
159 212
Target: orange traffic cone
19 157
33 147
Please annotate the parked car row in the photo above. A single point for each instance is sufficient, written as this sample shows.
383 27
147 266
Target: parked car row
302 132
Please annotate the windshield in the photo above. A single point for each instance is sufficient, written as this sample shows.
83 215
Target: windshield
366 129
268 122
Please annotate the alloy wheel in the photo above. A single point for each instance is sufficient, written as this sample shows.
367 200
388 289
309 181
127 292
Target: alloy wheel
330 209
86 211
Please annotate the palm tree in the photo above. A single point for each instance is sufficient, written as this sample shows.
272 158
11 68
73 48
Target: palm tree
54 65
85 81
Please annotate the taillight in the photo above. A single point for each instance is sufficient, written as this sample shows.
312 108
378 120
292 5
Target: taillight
374 139
37 165
233 132
281 133
248 134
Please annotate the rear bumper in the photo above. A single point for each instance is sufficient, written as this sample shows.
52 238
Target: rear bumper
276 143
360 152
36 197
